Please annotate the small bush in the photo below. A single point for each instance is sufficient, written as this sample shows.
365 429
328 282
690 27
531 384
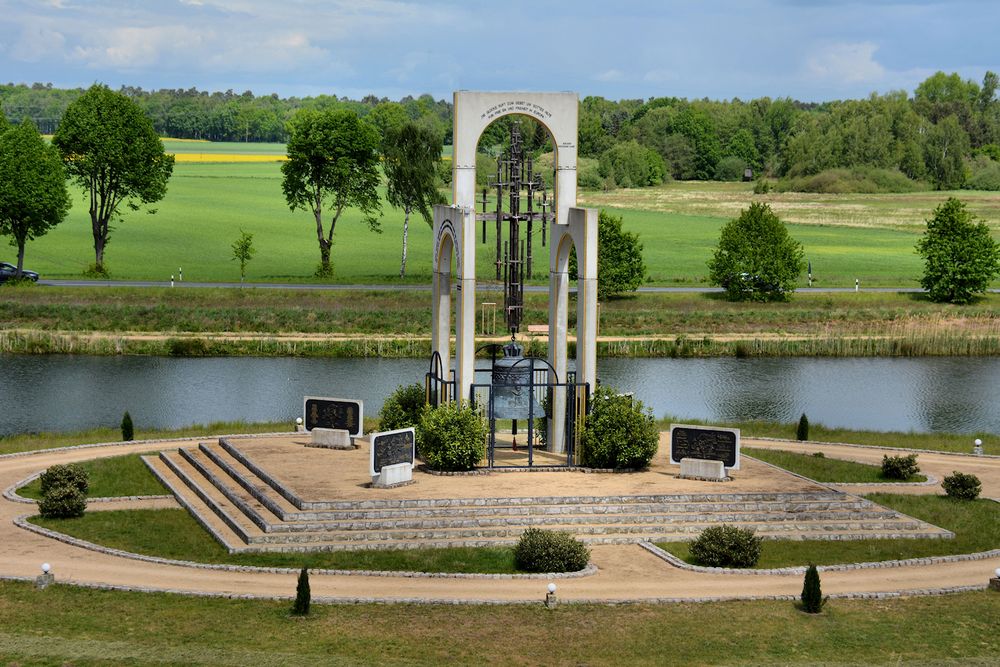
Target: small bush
65 475
761 186
802 430
984 174
541 550
900 467
128 431
303 595
62 502
403 407
726 546
730 168
819 455
962 486
869 180
187 347
618 433
450 437
812 593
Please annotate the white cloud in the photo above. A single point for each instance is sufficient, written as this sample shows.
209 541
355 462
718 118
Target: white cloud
659 76
36 43
846 63
610 75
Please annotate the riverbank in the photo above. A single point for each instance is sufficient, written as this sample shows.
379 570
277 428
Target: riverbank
363 323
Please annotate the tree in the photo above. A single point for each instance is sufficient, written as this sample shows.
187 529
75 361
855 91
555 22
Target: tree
812 593
110 148
756 259
33 196
303 595
946 146
960 256
620 268
243 252
410 156
332 164
128 429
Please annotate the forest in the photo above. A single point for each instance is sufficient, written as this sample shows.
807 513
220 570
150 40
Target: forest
945 135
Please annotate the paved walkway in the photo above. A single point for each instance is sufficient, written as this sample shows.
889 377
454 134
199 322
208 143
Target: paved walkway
625 572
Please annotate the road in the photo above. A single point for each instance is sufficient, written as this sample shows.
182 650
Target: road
426 288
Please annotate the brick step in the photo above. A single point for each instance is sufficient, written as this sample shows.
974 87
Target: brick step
202 513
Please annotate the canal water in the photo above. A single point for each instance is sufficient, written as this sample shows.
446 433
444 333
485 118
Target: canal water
57 393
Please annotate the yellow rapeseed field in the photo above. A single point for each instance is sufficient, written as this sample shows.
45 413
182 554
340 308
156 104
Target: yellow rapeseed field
227 157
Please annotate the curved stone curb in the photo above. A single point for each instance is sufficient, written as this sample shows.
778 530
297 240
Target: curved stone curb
882 447
22 522
11 494
461 602
843 567
122 443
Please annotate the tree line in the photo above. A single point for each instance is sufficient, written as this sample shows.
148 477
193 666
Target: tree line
945 135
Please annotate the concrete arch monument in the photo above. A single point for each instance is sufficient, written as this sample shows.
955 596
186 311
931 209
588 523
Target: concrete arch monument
455 230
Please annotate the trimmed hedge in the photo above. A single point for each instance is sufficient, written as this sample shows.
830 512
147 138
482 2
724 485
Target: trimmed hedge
65 475
541 550
618 433
62 502
403 407
451 438
726 546
962 486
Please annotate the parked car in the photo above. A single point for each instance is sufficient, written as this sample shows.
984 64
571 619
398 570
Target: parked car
8 271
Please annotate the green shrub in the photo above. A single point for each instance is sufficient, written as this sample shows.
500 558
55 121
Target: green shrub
403 407
802 430
962 486
869 180
900 467
730 168
62 502
187 347
541 550
128 431
984 174
618 432
812 593
60 475
726 546
761 186
450 437
303 595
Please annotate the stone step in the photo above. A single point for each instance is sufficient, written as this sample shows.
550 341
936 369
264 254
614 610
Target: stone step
196 485
567 519
246 502
583 530
251 483
201 512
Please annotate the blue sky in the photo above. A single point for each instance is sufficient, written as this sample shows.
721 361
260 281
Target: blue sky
811 51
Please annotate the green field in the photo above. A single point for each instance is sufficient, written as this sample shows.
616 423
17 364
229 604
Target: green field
207 204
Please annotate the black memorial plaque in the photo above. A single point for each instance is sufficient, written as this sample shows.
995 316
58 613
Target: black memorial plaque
392 448
333 413
704 443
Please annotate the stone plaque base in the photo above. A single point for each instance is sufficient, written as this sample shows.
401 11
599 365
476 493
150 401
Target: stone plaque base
43 581
394 475
995 584
331 438
703 469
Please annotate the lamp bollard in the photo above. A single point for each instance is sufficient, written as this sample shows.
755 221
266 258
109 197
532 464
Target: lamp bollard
298 425
171 280
550 597
977 447
46 578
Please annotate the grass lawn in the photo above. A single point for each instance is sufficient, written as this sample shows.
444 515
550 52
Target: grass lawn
976 525
110 478
67 625
208 203
29 442
173 533
824 469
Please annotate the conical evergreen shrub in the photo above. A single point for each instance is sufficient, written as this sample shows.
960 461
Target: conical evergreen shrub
128 432
812 594
303 596
802 430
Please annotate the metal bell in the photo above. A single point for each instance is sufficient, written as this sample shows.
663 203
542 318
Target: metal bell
512 390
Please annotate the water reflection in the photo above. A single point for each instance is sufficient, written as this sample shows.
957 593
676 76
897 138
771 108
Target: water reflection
73 392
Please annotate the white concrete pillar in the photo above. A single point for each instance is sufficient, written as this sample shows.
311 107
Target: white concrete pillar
558 325
465 320
583 227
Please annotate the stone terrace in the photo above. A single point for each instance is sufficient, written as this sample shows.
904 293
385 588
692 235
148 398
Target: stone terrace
276 494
